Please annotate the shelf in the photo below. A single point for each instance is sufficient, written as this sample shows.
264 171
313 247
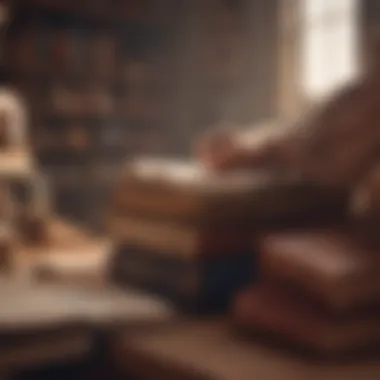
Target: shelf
72 12
145 69
47 75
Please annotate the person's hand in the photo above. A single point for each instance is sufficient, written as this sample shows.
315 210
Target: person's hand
232 150
224 151
332 146
214 148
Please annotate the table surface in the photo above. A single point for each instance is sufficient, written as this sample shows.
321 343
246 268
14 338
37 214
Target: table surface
68 253
27 305
209 350
44 320
42 323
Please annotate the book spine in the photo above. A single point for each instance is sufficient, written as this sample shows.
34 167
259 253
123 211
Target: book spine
76 50
131 198
174 281
200 286
105 57
60 52
181 241
24 53
44 46
78 138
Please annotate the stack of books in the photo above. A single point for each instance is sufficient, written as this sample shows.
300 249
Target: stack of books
319 290
188 234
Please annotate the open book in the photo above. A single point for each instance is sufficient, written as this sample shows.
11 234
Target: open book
186 190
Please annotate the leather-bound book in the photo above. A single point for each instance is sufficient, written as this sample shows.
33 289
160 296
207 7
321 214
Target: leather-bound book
77 137
328 265
24 52
104 57
200 285
364 208
61 52
266 310
133 10
181 241
189 192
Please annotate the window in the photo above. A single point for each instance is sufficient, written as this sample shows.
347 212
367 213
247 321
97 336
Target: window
329 46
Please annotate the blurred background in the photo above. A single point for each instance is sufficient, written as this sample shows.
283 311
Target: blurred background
105 80
102 81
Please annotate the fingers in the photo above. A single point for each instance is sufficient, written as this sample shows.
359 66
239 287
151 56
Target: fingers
259 148
213 148
239 158
231 156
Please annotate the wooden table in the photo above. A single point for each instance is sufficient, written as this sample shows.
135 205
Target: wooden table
69 255
45 323
208 351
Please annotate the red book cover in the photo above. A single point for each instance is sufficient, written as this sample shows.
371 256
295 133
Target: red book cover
297 320
328 264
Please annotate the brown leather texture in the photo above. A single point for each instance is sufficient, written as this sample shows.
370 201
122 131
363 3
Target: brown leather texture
297 320
328 264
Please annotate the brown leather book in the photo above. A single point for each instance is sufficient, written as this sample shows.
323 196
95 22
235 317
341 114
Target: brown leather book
181 241
327 264
61 52
295 320
77 137
197 285
24 52
189 192
365 208
104 57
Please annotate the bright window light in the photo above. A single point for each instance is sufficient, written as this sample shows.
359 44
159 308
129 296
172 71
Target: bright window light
329 45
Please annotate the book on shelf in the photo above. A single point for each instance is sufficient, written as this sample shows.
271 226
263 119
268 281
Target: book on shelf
60 51
133 10
77 137
65 100
43 47
138 73
105 50
100 101
5 14
79 49
24 51
113 135
94 101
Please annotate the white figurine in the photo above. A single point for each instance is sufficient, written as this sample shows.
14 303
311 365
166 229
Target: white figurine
13 118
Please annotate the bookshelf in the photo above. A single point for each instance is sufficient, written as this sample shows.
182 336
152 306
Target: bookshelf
95 75
106 80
